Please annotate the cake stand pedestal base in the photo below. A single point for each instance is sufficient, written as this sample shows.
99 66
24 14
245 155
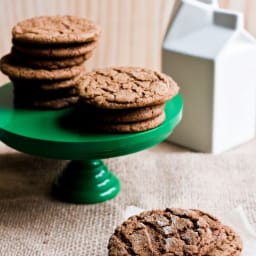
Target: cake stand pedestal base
87 181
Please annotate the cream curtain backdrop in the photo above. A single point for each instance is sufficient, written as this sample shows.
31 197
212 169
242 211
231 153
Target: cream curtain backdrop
132 29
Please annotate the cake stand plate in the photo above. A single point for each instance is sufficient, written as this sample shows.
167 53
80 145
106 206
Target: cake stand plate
86 179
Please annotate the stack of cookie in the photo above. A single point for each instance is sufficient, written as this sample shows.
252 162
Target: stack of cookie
47 59
124 99
174 232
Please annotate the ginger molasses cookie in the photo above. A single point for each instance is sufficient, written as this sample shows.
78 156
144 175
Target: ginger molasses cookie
55 30
39 94
49 64
59 103
28 84
55 51
33 97
119 115
130 127
47 59
172 232
45 99
230 245
16 70
126 87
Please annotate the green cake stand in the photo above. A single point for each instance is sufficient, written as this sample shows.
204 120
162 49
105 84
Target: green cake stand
86 179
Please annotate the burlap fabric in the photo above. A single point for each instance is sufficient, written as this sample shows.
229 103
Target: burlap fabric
32 223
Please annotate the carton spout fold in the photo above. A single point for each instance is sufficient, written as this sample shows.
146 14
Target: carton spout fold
214 3
231 20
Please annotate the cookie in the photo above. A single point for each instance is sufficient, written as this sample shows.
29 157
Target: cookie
129 127
46 84
37 98
173 232
50 64
126 87
119 115
230 245
15 70
60 51
45 104
55 30
39 94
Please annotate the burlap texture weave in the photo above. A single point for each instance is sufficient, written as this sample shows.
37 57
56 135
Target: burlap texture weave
32 223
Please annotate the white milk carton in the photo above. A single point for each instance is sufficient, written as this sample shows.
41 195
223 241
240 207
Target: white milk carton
213 59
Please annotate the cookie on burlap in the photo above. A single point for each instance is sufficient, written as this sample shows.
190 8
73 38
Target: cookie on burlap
58 51
138 126
119 115
16 70
49 64
229 245
126 87
55 30
172 232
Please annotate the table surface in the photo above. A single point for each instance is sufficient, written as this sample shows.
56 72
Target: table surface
169 176
32 223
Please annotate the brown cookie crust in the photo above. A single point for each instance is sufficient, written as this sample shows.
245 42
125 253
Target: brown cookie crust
50 64
13 69
172 232
36 94
55 30
46 84
126 87
130 127
229 245
119 115
61 51
45 104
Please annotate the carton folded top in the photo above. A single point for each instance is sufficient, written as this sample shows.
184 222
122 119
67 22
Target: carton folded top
201 29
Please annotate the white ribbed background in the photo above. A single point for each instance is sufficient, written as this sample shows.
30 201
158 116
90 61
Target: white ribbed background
132 29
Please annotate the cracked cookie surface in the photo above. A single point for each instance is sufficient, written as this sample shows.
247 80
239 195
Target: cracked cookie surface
172 232
126 87
229 245
55 30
